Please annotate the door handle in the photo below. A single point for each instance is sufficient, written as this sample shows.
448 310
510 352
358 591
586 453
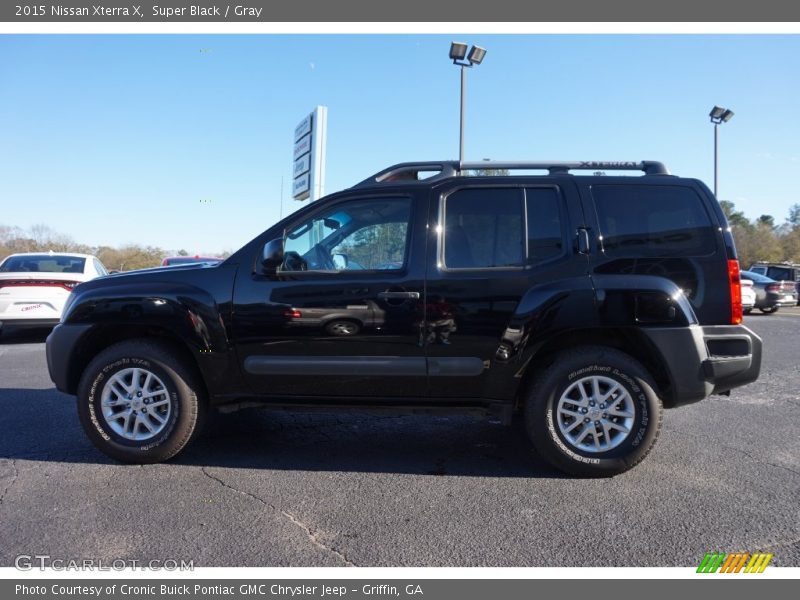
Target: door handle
582 240
398 295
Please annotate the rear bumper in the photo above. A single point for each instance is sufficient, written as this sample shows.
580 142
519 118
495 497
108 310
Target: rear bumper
707 360
60 349
6 322
774 299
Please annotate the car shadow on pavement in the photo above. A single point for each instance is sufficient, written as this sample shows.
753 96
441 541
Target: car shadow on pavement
42 425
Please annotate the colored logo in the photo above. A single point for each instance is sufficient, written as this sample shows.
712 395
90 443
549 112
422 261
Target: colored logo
734 563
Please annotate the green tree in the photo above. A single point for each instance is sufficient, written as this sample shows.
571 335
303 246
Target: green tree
489 172
767 221
794 216
735 217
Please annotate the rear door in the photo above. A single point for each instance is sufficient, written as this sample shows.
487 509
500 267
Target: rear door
491 244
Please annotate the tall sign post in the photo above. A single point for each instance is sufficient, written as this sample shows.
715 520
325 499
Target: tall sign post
310 137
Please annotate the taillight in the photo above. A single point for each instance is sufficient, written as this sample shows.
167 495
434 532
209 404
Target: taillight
67 285
774 287
735 284
292 314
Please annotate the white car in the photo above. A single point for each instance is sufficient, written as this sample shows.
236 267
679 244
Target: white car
748 295
34 286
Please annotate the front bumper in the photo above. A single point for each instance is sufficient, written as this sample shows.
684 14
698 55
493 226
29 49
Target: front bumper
706 360
61 350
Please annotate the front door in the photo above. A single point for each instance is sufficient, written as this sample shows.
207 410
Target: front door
343 315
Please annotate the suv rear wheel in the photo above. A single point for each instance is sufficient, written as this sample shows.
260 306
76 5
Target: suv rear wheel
594 412
139 403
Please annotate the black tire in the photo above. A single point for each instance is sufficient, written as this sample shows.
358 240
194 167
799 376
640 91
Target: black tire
343 328
542 402
747 311
187 408
770 309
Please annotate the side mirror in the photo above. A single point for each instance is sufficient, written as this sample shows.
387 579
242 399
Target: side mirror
340 261
272 257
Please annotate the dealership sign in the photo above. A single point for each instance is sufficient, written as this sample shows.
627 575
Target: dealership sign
309 155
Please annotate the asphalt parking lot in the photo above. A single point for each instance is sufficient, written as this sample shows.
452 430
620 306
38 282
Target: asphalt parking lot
270 489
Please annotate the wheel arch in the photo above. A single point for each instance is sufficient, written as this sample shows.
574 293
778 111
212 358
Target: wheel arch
628 340
104 336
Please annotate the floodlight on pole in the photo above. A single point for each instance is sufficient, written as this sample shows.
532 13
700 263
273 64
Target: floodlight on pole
458 53
718 116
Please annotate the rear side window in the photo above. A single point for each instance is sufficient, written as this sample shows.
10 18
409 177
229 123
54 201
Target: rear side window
545 234
650 220
483 228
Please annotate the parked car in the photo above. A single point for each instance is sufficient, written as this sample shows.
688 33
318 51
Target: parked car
346 320
581 304
771 294
170 261
779 272
748 296
34 286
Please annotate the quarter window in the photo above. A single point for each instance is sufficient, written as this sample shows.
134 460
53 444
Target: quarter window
98 266
638 220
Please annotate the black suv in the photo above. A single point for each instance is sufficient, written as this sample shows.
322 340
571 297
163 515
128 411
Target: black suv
581 303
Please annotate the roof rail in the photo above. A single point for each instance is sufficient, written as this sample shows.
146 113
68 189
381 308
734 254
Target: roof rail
410 171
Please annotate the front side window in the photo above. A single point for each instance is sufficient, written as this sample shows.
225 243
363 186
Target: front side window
483 228
361 235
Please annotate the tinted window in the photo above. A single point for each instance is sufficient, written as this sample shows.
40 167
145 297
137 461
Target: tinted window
652 221
483 228
545 237
360 235
43 264
781 273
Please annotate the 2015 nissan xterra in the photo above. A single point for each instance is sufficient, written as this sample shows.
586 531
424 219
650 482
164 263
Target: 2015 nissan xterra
582 304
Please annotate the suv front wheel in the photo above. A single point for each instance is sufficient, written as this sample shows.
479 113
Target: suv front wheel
139 403
594 412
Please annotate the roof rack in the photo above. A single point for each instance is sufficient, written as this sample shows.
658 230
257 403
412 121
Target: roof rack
415 171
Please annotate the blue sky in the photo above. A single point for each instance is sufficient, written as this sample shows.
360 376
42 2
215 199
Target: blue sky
114 139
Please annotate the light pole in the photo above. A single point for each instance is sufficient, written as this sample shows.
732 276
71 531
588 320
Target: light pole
718 115
458 52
